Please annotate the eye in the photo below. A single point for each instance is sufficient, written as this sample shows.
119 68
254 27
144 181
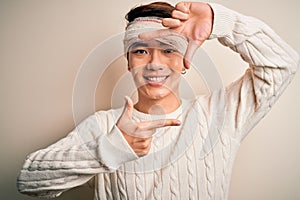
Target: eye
170 50
139 51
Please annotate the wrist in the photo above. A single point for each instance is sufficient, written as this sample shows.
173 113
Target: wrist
210 18
223 21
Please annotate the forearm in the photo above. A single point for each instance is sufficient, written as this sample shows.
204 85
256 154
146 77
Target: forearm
272 65
255 41
50 171
73 160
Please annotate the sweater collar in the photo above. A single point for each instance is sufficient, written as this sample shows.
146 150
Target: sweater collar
173 115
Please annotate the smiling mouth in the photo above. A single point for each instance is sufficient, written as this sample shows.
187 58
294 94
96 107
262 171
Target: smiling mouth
156 79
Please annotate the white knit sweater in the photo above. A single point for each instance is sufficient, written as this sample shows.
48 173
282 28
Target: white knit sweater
193 161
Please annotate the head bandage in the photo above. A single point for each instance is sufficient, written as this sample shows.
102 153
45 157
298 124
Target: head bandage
148 24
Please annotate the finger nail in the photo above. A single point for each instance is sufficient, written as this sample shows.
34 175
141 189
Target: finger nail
177 122
126 98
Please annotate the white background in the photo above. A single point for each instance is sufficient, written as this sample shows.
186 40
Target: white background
42 45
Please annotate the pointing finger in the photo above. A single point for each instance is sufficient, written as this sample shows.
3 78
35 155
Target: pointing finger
192 48
162 123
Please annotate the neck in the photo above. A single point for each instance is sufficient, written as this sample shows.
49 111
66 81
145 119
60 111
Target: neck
158 106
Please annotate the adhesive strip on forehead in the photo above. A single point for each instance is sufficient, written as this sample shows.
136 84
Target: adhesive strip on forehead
148 24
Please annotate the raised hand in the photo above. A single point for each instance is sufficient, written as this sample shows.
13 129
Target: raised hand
139 134
194 20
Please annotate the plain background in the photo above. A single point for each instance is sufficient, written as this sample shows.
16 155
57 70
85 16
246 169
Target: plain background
42 45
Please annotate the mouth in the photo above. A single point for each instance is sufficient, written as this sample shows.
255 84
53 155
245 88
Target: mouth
156 80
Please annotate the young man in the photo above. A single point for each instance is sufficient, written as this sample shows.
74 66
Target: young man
164 147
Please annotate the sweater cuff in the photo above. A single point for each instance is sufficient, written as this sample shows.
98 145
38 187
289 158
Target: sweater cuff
224 20
114 149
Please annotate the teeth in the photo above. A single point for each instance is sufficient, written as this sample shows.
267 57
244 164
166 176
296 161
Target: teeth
156 79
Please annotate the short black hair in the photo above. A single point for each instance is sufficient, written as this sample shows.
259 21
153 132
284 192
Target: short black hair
156 9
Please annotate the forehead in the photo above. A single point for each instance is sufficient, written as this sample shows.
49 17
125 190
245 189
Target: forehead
150 44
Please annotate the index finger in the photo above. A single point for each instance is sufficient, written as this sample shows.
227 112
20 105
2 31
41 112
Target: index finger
159 123
158 34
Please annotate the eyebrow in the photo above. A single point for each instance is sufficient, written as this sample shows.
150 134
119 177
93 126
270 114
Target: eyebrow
144 44
138 44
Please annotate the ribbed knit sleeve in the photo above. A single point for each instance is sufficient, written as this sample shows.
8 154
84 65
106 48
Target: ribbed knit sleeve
272 65
93 147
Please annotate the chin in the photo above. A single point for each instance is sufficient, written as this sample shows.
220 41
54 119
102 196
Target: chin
158 94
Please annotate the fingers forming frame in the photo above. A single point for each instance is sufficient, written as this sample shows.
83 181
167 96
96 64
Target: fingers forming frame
153 125
180 15
192 48
183 7
139 134
171 22
141 146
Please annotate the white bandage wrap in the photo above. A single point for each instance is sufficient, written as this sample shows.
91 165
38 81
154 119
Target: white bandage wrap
148 24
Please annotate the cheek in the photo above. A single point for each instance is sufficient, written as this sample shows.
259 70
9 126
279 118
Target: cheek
137 75
136 61
177 65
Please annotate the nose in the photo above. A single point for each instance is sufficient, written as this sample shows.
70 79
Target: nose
155 62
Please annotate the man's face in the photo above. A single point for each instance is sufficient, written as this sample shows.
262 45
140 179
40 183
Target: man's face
156 68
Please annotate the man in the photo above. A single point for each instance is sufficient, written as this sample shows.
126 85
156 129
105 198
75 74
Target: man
164 147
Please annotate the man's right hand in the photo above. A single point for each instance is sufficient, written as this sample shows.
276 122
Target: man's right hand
139 134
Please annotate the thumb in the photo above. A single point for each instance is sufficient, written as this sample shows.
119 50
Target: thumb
128 108
191 50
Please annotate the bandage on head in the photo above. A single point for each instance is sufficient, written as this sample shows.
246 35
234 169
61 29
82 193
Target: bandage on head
148 24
